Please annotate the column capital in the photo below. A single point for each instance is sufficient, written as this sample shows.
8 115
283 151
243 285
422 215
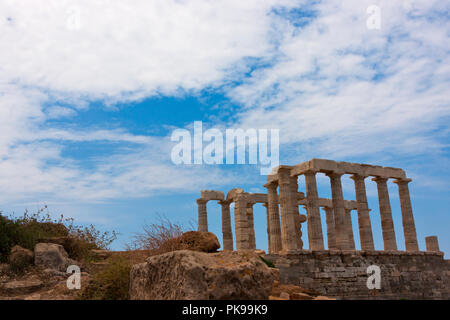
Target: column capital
358 177
310 172
380 179
201 201
265 204
284 176
271 185
402 181
334 174
224 202
303 218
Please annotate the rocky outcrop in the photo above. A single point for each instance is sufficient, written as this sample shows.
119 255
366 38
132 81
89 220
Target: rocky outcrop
186 275
20 256
52 256
21 287
193 240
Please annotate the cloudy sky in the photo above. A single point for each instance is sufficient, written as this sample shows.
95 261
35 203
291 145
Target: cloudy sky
91 91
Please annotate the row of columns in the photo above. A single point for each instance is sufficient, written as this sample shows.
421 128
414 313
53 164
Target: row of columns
338 219
284 230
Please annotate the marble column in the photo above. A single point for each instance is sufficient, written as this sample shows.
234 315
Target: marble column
274 218
315 235
387 222
287 198
331 236
365 226
432 244
351 239
241 222
202 215
265 205
227 233
409 227
342 242
251 226
298 224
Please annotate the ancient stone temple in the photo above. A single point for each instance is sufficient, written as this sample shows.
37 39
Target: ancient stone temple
284 222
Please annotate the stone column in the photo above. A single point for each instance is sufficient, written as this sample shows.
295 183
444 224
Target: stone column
331 235
298 223
287 198
409 227
387 223
274 218
227 233
365 226
342 242
432 244
202 215
241 222
315 235
265 205
351 239
251 227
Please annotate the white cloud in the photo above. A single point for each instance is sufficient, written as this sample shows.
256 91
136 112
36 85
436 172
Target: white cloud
339 89
332 86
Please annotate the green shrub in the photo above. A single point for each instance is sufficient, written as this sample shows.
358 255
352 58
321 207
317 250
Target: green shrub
267 262
111 283
28 230
18 267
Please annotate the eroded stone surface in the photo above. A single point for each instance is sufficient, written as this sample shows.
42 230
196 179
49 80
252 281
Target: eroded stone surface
196 275
52 256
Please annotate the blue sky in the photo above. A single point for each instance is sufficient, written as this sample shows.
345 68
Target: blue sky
90 92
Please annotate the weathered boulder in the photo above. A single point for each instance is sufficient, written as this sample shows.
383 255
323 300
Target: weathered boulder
52 256
74 247
193 240
21 287
20 256
186 275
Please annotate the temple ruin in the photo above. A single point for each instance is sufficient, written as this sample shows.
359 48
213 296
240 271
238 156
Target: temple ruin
284 222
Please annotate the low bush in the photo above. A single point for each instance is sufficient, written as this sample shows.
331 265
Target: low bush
29 229
111 283
159 236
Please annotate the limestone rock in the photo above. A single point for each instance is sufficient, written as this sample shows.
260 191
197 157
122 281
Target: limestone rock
193 240
323 298
300 296
52 256
20 256
186 275
285 296
21 287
